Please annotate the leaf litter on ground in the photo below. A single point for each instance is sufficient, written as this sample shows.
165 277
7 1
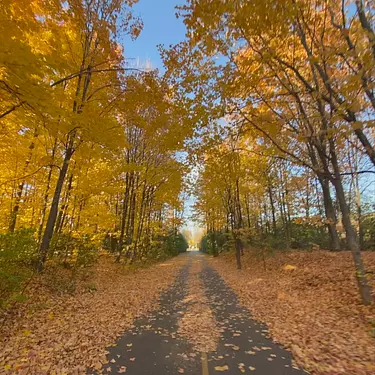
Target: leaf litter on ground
310 302
66 334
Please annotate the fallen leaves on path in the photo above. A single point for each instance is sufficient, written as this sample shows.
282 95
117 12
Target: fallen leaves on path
198 324
66 334
310 302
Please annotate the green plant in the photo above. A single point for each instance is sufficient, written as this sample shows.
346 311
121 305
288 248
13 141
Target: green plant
19 246
174 243
73 251
17 254
216 242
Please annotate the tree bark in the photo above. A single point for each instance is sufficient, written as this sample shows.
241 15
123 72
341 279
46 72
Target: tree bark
351 235
330 214
64 207
124 215
270 194
48 232
46 194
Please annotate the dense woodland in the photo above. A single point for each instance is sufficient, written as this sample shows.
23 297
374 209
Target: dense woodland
266 111
88 144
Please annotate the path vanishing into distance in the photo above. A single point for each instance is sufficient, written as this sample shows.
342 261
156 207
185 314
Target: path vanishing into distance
199 328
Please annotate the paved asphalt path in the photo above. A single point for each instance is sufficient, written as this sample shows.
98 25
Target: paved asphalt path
152 347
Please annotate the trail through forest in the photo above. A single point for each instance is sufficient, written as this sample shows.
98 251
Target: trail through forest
249 134
174 338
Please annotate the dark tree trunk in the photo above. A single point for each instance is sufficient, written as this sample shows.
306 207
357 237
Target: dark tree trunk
46 194
270 194
247 212
48 232
238 225
238 244
124 214
64 207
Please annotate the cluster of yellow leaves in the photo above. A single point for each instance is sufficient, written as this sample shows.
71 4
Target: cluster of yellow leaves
67 97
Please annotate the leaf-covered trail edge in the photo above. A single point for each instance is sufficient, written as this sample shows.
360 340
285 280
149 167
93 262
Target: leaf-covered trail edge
66 334
312 308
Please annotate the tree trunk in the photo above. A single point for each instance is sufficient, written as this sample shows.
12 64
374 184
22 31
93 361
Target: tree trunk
48 232
64 207
307 208
14 214
46 194
330 214
272 209
124 214
238 225
359 211
238 245
351 235
247 212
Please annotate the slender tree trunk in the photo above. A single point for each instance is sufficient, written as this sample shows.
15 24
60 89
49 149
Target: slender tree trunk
142 211
238 245
132 224
64 207
351 235
247 212
330 214
358 205
48 232
131 218
124 215
307 208
270 194
286 217
329 209
16 207
238 225
267 223
46 194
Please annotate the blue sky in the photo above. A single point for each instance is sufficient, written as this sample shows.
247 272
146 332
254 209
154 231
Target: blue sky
160 27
